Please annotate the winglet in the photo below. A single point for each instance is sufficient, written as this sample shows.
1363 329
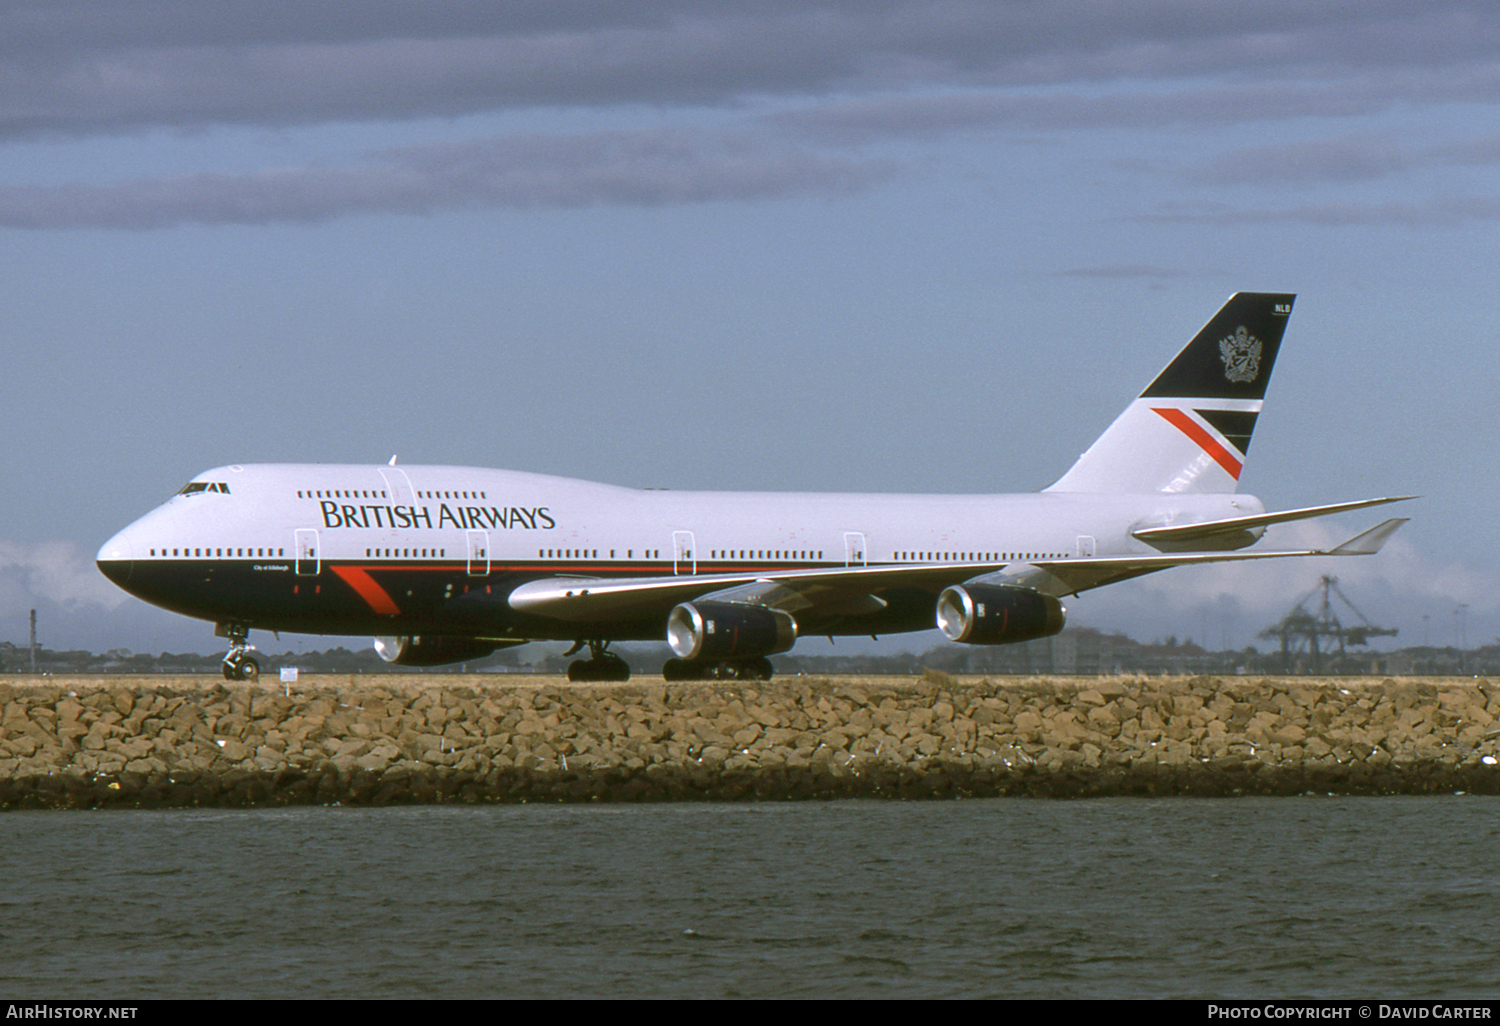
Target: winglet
1370 542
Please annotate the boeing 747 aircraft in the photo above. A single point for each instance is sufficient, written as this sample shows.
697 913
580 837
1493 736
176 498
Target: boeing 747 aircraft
445 564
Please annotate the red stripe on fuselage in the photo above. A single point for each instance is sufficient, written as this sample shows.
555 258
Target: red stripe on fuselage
1190 427
367 589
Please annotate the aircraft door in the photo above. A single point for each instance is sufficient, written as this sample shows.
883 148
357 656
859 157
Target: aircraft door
854 548
305 545
479 553
1085 546
683 560
398 486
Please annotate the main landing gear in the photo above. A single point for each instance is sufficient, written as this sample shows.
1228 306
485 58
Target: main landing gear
601 665
239 664
722 669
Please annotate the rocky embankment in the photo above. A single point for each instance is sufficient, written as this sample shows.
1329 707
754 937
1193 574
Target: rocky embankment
134 742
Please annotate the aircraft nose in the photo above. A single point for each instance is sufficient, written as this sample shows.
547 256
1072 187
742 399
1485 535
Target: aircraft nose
116 559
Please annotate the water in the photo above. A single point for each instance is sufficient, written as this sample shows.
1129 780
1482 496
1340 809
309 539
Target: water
1257 898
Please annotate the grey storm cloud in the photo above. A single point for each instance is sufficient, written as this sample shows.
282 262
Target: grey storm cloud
843 74
866 119
620 168
120 65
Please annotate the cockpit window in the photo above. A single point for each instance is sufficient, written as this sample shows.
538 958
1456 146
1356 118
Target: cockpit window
198 487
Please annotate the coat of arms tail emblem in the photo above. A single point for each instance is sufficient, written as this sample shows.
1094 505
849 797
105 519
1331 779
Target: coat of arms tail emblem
1241 355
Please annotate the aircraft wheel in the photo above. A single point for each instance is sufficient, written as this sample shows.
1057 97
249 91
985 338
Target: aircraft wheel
241 666
738 669
674 669
609 668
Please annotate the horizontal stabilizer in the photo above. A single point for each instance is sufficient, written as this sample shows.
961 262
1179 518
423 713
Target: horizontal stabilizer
1075 575
1204 530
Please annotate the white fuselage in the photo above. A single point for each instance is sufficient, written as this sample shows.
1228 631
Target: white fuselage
319 534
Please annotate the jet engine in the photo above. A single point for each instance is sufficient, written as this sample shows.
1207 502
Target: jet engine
728 630
433 650
995 614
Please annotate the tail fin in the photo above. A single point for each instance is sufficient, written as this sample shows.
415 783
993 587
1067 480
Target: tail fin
1190 429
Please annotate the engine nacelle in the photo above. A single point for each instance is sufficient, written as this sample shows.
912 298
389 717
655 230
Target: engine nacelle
994 614
729 630
427 650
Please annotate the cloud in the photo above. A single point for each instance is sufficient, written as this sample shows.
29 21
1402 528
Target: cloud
56 573
1393 589
1430 212
1341 159
117 65
77 608
1147 104
1348 158
819 80
1124 272
644 168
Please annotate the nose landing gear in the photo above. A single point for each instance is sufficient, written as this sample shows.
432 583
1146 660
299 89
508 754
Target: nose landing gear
238 664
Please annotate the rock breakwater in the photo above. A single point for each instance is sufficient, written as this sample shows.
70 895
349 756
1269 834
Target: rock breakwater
134 742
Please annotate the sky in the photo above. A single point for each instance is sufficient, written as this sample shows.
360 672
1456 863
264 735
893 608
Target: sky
833 245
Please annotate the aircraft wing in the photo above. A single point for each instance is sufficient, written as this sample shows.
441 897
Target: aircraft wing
850 590
606 599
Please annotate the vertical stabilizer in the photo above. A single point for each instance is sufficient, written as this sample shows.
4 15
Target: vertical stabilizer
1190 429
